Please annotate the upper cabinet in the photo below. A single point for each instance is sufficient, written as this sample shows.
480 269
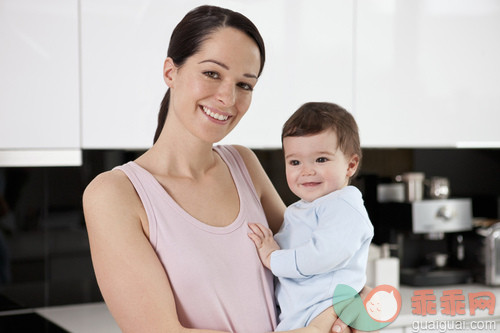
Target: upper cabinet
308 58
427 73
39 82
88 73
124 45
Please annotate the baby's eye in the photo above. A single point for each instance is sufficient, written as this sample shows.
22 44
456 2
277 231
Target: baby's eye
213 75
245 86
321 160
294 162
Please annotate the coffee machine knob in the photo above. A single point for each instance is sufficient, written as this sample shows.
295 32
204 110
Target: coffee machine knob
446 213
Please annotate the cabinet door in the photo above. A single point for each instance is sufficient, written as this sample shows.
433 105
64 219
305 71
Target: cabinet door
124 45
39 104
308 58
427 73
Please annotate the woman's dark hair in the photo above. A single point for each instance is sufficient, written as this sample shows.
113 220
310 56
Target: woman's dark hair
315 117
193 30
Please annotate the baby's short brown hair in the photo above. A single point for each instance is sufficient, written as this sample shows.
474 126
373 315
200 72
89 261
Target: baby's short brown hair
315 117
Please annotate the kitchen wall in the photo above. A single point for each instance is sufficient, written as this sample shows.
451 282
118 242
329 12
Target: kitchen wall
44 252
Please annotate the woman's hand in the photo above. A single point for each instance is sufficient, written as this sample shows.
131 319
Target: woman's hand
340 326
327 321
264 241
322 323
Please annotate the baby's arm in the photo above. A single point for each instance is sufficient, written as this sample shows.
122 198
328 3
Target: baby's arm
327 321
264 241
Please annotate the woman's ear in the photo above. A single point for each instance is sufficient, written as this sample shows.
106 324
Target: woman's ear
169 71
352 165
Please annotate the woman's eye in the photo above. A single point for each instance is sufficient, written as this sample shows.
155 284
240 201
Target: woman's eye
321 159
213 75
245 86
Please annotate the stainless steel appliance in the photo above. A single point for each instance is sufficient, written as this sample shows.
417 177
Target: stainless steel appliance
438 188
429 237
488 265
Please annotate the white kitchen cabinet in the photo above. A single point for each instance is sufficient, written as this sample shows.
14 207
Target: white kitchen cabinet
427 73
309 58
39 82
124 44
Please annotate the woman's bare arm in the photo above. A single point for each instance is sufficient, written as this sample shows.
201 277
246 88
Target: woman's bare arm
130 276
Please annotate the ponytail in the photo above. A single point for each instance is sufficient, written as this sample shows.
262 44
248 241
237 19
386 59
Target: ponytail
162 115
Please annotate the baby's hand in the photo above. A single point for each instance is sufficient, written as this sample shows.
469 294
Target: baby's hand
264 241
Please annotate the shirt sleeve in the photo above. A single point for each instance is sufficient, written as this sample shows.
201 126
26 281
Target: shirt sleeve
341 231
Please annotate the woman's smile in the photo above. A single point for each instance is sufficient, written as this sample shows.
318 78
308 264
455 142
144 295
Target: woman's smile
214 114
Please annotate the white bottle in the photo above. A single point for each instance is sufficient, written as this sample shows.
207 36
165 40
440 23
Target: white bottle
386 268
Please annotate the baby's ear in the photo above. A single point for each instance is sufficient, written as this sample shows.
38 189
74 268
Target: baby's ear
352 165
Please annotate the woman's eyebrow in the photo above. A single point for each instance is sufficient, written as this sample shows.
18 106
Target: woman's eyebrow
223 65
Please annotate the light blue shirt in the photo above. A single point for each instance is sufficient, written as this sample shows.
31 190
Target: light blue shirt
323 243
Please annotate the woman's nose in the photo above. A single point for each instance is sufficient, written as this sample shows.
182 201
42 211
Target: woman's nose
227 94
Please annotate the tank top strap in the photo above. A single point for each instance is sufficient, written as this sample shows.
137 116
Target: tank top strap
156 200
239 171
149 191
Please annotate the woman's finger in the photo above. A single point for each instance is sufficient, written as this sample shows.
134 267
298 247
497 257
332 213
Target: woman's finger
339 326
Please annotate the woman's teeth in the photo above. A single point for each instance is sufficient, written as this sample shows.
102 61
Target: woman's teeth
214 115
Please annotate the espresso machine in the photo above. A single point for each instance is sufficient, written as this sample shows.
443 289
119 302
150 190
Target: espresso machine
427 235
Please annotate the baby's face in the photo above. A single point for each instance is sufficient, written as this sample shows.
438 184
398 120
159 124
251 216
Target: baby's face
315 166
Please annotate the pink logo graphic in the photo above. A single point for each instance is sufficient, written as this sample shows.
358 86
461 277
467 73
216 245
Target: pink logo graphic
383 303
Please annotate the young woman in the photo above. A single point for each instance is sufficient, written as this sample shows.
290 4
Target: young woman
168 231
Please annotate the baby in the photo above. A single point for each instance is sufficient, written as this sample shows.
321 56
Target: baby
325 236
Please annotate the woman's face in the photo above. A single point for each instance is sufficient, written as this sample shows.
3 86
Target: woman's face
212 90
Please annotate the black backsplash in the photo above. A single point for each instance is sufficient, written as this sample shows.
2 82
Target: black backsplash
44 251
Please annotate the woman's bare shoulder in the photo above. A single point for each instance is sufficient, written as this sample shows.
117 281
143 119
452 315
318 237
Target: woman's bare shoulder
249 157
109 183
251 162
109 193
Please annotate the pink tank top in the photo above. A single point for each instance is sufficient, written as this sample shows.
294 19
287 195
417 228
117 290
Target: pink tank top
217 278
